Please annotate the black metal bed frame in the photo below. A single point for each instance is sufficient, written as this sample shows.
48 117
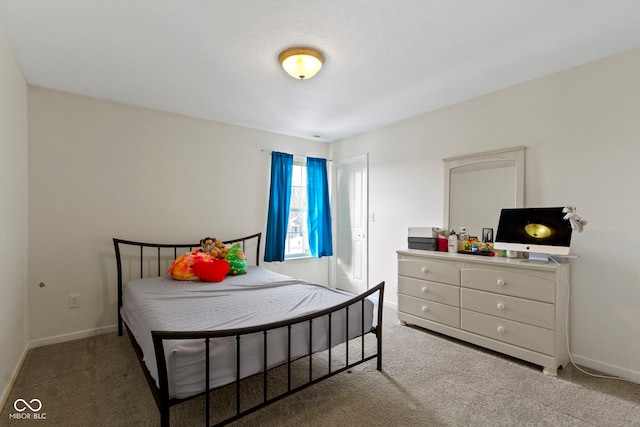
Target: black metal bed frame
161 391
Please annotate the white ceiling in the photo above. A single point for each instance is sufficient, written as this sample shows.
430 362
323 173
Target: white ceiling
386 60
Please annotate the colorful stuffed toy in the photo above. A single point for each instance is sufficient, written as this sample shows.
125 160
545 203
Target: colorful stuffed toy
182 267
236 260
188 265
211 269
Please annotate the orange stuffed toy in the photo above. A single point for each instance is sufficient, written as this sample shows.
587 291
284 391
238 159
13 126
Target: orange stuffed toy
182 267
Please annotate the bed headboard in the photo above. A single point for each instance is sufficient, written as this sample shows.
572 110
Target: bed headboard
137 260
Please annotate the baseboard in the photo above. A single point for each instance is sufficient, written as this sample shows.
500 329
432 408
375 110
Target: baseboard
391 305
606 368
72 336
5 393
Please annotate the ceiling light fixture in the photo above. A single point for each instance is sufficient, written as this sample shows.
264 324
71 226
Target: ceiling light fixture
301 62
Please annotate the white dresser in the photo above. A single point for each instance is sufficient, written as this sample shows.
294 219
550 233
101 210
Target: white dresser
508 305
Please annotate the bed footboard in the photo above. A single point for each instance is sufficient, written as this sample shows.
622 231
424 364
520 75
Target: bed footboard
347 348
159 337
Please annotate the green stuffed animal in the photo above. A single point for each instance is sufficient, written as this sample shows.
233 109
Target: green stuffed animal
236 260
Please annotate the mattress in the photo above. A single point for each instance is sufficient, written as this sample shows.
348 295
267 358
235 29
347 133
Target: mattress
256 298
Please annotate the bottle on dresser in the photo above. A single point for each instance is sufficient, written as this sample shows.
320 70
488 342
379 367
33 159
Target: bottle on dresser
453 242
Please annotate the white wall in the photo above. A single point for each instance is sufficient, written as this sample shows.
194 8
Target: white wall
582 132
100 169
13 215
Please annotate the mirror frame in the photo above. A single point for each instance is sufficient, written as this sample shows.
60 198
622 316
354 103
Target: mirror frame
514 154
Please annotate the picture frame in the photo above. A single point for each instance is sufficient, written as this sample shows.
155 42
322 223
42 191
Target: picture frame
487 235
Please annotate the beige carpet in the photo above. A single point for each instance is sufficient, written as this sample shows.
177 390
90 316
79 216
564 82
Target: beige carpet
427 380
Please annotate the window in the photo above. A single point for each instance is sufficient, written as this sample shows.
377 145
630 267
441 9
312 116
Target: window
299 217
297 242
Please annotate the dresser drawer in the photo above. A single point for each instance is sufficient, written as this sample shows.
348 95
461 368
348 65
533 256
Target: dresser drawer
430 310
428 270
509 283
516 333
522 310
432 291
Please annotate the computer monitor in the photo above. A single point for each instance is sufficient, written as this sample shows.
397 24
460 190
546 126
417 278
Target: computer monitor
539 231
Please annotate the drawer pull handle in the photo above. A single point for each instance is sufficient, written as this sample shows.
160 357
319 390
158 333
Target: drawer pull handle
425 308
425 289
501 282
501 306
425 270
501 330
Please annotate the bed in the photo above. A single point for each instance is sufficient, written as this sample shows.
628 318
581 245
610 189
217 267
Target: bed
194 337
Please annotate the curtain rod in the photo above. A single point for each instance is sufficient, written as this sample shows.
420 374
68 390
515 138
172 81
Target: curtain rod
294 155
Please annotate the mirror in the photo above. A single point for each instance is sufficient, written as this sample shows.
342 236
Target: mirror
479 185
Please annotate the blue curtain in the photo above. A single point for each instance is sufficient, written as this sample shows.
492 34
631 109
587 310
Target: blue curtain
279 201
319 215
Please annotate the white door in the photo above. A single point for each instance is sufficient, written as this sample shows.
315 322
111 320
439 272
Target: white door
351 260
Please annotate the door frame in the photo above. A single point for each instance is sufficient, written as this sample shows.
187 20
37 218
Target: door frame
334 208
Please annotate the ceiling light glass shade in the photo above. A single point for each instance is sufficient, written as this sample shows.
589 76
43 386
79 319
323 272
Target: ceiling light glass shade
538 231
301 62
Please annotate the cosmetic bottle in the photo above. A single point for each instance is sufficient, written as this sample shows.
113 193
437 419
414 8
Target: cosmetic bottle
453 242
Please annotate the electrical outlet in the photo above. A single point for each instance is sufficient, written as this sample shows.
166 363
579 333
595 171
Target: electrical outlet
74 301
